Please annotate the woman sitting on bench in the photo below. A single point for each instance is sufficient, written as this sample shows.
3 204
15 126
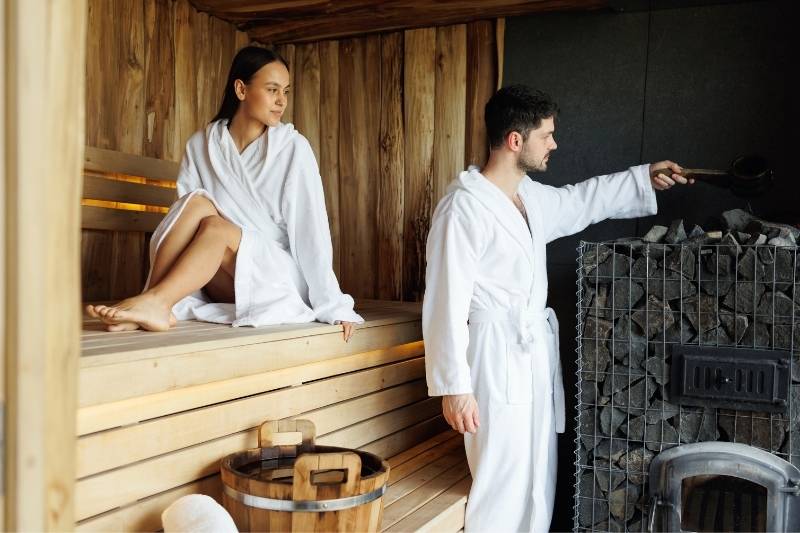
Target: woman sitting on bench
248 241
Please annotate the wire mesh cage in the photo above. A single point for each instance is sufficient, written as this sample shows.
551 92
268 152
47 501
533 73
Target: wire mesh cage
637 302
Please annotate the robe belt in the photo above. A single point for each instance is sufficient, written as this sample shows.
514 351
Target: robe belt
524 322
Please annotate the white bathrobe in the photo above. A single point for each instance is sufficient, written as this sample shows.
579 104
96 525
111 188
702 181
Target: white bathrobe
273 192
487 330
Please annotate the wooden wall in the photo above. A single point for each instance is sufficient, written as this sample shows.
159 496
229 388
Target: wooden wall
391 117
155 72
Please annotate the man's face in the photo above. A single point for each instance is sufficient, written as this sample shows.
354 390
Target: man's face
536 149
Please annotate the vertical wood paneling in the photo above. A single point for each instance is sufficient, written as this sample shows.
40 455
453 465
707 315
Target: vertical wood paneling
160 140
155 73
481 83
129 118
450 102
392 170
329 141
307 94
391 118
288 53
185 72
419 80
357 203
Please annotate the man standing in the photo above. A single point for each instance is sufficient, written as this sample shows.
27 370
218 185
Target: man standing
491 346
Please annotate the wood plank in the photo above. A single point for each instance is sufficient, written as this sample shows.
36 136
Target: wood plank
329 142
95 259
102 492
481 83
111 449
500 39
126 97
443 513
155 344
424 474
454 445
418 450
365 432
99 188
392 170
160 140
101 384
449 104
287 51
307 94
358 217
43 133
419 87
128 253
277 22
410 436
145 514
394 514
118 219
186 109
103 160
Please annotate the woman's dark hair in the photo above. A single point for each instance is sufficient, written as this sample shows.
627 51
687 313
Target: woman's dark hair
516 108
245 64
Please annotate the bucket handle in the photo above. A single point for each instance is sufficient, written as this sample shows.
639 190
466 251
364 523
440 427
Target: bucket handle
271 428
303 487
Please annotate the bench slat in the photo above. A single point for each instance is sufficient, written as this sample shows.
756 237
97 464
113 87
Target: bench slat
124 412
115 448
442 514
103 160
106 491
93 217
99 188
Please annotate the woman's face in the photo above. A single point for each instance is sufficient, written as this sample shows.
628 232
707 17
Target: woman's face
265 97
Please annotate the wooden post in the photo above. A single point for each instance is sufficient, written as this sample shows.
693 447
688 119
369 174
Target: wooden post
44 49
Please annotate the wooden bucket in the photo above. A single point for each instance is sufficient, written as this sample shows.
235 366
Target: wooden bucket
302 487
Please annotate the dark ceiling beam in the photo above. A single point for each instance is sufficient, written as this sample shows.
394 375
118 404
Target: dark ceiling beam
291 21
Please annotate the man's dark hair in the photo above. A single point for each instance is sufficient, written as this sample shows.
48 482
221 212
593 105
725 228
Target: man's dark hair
516 108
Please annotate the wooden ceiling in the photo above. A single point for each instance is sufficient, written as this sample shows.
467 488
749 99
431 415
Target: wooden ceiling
287 21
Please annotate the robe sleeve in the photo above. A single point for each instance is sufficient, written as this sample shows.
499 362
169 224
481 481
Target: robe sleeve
303 209
569 209
188 176
452 257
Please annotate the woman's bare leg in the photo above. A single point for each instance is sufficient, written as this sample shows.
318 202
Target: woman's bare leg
179 236
213 247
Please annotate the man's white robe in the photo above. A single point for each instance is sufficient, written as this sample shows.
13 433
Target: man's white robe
487 330
273 192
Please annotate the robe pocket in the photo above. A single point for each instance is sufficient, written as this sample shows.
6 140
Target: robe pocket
519 376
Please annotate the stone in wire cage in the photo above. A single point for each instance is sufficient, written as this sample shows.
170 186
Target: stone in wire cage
638 299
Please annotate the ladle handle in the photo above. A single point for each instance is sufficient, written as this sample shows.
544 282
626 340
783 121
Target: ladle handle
692 172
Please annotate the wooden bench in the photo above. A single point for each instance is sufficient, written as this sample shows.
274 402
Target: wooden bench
157 411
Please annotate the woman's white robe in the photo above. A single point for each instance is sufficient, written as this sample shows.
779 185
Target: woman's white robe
487 330
273 192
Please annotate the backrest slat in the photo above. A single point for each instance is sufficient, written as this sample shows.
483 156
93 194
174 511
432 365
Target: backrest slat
134 165
99 188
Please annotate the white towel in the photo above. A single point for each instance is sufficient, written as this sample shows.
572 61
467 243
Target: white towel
197 513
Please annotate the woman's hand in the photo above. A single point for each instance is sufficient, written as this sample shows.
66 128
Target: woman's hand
348 328
665 174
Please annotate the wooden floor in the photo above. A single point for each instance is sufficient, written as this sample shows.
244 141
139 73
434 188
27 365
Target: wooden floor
159 410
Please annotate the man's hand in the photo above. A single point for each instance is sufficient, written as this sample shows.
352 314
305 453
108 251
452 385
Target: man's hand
461 412
665 174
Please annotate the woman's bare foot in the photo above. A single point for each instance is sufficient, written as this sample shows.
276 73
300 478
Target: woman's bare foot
144 310
132 326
